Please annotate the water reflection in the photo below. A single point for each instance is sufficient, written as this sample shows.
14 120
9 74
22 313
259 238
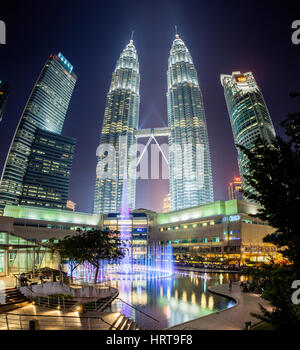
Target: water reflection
175 299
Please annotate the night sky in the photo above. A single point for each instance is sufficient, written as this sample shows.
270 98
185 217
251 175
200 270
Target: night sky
222 36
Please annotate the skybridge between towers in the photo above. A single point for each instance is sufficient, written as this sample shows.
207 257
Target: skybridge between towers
151 134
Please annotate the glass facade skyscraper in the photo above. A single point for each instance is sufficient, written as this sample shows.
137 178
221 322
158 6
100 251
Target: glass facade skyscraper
189 159
120 121
46 109
248 113
3 96
47 177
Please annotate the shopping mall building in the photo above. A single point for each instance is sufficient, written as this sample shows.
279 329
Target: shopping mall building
223 228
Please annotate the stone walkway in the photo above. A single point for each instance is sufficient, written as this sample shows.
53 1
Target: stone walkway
233 318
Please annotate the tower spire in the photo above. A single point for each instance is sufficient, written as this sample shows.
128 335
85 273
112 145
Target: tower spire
131 37
176 33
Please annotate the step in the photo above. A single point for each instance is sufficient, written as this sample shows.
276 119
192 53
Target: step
13 306
128 324
122 324
118 322
133 326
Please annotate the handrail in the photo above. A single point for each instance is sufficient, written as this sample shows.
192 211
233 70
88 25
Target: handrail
55 316
135 308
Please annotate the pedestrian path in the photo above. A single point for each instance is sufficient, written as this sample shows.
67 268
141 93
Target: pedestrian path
233 318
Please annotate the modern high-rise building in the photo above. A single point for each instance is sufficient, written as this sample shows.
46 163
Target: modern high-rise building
234 189
166 204
3 96
46 109
70 205
189 161
47 177
120 121
248 113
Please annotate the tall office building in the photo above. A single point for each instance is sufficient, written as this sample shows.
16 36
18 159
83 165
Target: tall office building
166 204
47 177
248 113
46 109
189 161
234 188
3 96
120 120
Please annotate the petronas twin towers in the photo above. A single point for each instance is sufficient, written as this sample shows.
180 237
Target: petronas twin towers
189 156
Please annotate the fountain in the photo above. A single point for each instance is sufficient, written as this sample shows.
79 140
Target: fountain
140 261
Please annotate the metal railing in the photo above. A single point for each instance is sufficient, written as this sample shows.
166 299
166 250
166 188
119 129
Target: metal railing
59 303
113 303
19 283
134 313
11 321
78 303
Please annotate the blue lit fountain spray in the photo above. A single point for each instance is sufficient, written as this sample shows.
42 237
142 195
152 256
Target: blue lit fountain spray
125 232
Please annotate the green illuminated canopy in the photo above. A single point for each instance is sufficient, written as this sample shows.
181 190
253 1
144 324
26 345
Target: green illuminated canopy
57 215
205 210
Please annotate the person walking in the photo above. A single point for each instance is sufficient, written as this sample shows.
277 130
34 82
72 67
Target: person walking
230 285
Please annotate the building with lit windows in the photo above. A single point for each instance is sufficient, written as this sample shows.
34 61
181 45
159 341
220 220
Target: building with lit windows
3 97
189 159
166 204
118 131
221 229
47 177
25 232
46 110
137 223
248 113
234 188
70 205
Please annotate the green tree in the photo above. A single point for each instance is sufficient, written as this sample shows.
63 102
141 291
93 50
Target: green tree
101 245
71 248
274 180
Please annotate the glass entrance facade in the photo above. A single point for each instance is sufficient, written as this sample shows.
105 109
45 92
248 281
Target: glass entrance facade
19 255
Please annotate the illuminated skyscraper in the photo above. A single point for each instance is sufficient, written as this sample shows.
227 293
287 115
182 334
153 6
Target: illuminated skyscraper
3 96
189 163
166 204
46 110
248 113
234 188
120 121
47 177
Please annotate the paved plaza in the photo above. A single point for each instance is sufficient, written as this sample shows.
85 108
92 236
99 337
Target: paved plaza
233 318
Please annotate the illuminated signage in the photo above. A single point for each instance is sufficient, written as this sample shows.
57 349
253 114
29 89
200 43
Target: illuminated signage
139 230
241 79
237 180
67 65
234 218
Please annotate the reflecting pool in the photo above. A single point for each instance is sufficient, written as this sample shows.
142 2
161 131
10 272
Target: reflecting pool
172 300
